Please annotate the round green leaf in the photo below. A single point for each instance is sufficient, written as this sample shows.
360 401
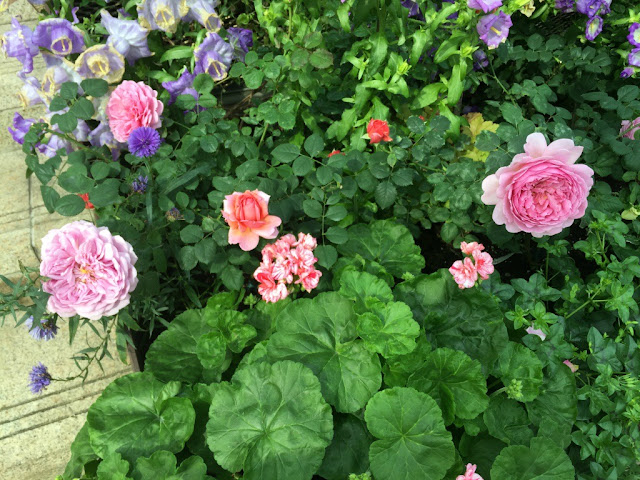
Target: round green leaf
349 450
113 467
137 415
69 205
321 334
543 460
359 286
162 466
94 87
191 234
81 454
271 422
413 442
507 420
386 242
520 371
321 58
388 328
557 402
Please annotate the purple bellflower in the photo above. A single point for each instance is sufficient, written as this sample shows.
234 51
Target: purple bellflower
182 86
594 27
21 127
17 43
241 39
627 72
634 35
58 36
634 57
213 56
494 29
161 14
101 61
203 12
126 36
566 6
485 5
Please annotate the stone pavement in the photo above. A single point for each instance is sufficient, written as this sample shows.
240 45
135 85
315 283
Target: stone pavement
36 431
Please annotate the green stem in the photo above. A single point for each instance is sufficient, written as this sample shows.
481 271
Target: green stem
264 133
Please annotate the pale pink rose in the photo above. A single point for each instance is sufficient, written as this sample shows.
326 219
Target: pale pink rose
91 272
543 191
574 368
464 273
536 331
132 105
470 474
469 248
248 217
631 126
484 264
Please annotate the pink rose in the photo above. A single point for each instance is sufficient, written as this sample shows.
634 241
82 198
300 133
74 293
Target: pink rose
378 131
629 128
464 273
91 272
542 191
132 105
248 216
470 474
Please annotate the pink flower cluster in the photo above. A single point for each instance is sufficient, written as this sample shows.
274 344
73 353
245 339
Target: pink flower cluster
283 260
470 473
465 272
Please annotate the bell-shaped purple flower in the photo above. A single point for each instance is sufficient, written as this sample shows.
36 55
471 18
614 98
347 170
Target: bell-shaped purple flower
594 27
203 12
30 93
55 143
241 39
52 79
213 56
18 43
634 34
182 86
20 128
101 61
485 5
627 72
494 29
566 6
414 9
634 57
593 7
126 36
58 36
161 14
480 60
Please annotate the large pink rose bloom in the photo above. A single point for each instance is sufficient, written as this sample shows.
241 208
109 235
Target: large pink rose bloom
132 105
91 272
542 191
248 216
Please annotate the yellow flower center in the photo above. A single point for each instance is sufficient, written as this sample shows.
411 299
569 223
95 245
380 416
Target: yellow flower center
99 65
62 46
164 18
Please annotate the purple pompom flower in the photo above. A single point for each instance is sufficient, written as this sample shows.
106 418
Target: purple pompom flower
485 5
241 39
634 35
213 56
634 57
182 86
21 127
59 36
39 378
594 27
494 29
101 61
161 14
627 72
480 60
566 6
203 12
126 36
144 142
47 329
18 43
140 184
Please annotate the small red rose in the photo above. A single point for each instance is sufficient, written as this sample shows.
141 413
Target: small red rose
378 131
87 204
335 152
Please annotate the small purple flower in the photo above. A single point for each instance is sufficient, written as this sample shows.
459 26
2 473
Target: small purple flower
203 12
140 184
55 143
627 72
182 86
589 7
59 36
241 39
494 29
102 136
126 36
480 60
18 43
21 127
144 142
39 378
47 329
634 57
161 14
594 27
634 35
30 93
173 214
52 80
101 61
213 56
414 9
565 6
485 5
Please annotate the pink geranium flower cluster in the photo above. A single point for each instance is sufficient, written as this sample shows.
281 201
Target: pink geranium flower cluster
465 272
282 261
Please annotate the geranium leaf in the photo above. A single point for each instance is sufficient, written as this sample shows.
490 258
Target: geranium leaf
81 454
557 402
162 466
113 467
543 460
358 286
388 328
137 415
507 420
413 442
520 370
321 334
349 450
270 422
